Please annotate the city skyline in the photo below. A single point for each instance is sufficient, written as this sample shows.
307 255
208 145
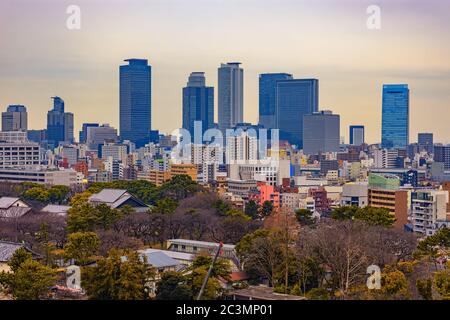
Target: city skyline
86 77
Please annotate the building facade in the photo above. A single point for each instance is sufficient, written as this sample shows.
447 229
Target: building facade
15 118
268 98
295 99
198 105
135 101
357 135
321 132
395 116
230 95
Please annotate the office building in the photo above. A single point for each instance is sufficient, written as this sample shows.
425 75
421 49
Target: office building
428 210
13 136
39 175
115 151
425 142
395 116
230 95
38 136
295 99
15 118
321 132
442 155
268 98
355 194
83 132
19 154
135 101
384 192
198 105
95 136
386 158
59 124
357 135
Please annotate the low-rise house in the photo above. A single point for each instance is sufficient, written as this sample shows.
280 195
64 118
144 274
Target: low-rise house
198 247
7 250
11 207
117 199
185 259
56 209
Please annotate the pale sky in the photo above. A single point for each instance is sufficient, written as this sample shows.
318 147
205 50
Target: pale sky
324 39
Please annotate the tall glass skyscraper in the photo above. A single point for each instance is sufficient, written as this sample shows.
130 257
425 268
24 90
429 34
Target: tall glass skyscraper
198 104
230 95
135 101
295 98
321 132
59 124
395 116
268 98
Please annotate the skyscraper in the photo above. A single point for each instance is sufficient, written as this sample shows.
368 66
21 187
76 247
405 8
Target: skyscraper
425 141
442 155
59 124
198 103
395 117
135 101
230 95
15 118
357 135
268 98
295 98
321 132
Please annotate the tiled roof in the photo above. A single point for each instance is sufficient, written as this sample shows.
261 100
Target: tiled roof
7 249
201 243
52 208
107 195
6 202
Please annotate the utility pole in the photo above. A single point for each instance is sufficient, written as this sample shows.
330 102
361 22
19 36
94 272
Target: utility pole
205 281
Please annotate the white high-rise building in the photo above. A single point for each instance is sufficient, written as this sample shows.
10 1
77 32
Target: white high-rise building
230 95
429 211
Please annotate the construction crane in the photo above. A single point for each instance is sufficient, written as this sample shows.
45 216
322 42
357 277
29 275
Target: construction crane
205 281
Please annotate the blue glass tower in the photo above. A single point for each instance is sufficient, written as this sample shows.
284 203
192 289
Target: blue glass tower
395 116
295 98
59 124
268 98
198 104
135 101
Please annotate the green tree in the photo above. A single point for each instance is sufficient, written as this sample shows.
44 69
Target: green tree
82 247
394 283
18 258
173 286
251 209
38 193
375 216
106 216
81 218
305 217
425 288
58 194
122 275
344 213
267 208
47 245
179 187
442 283
165 206
32 281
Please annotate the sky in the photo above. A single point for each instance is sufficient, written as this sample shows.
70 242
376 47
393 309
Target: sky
324 39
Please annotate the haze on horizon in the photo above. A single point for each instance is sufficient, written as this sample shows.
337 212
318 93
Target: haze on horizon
326 39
